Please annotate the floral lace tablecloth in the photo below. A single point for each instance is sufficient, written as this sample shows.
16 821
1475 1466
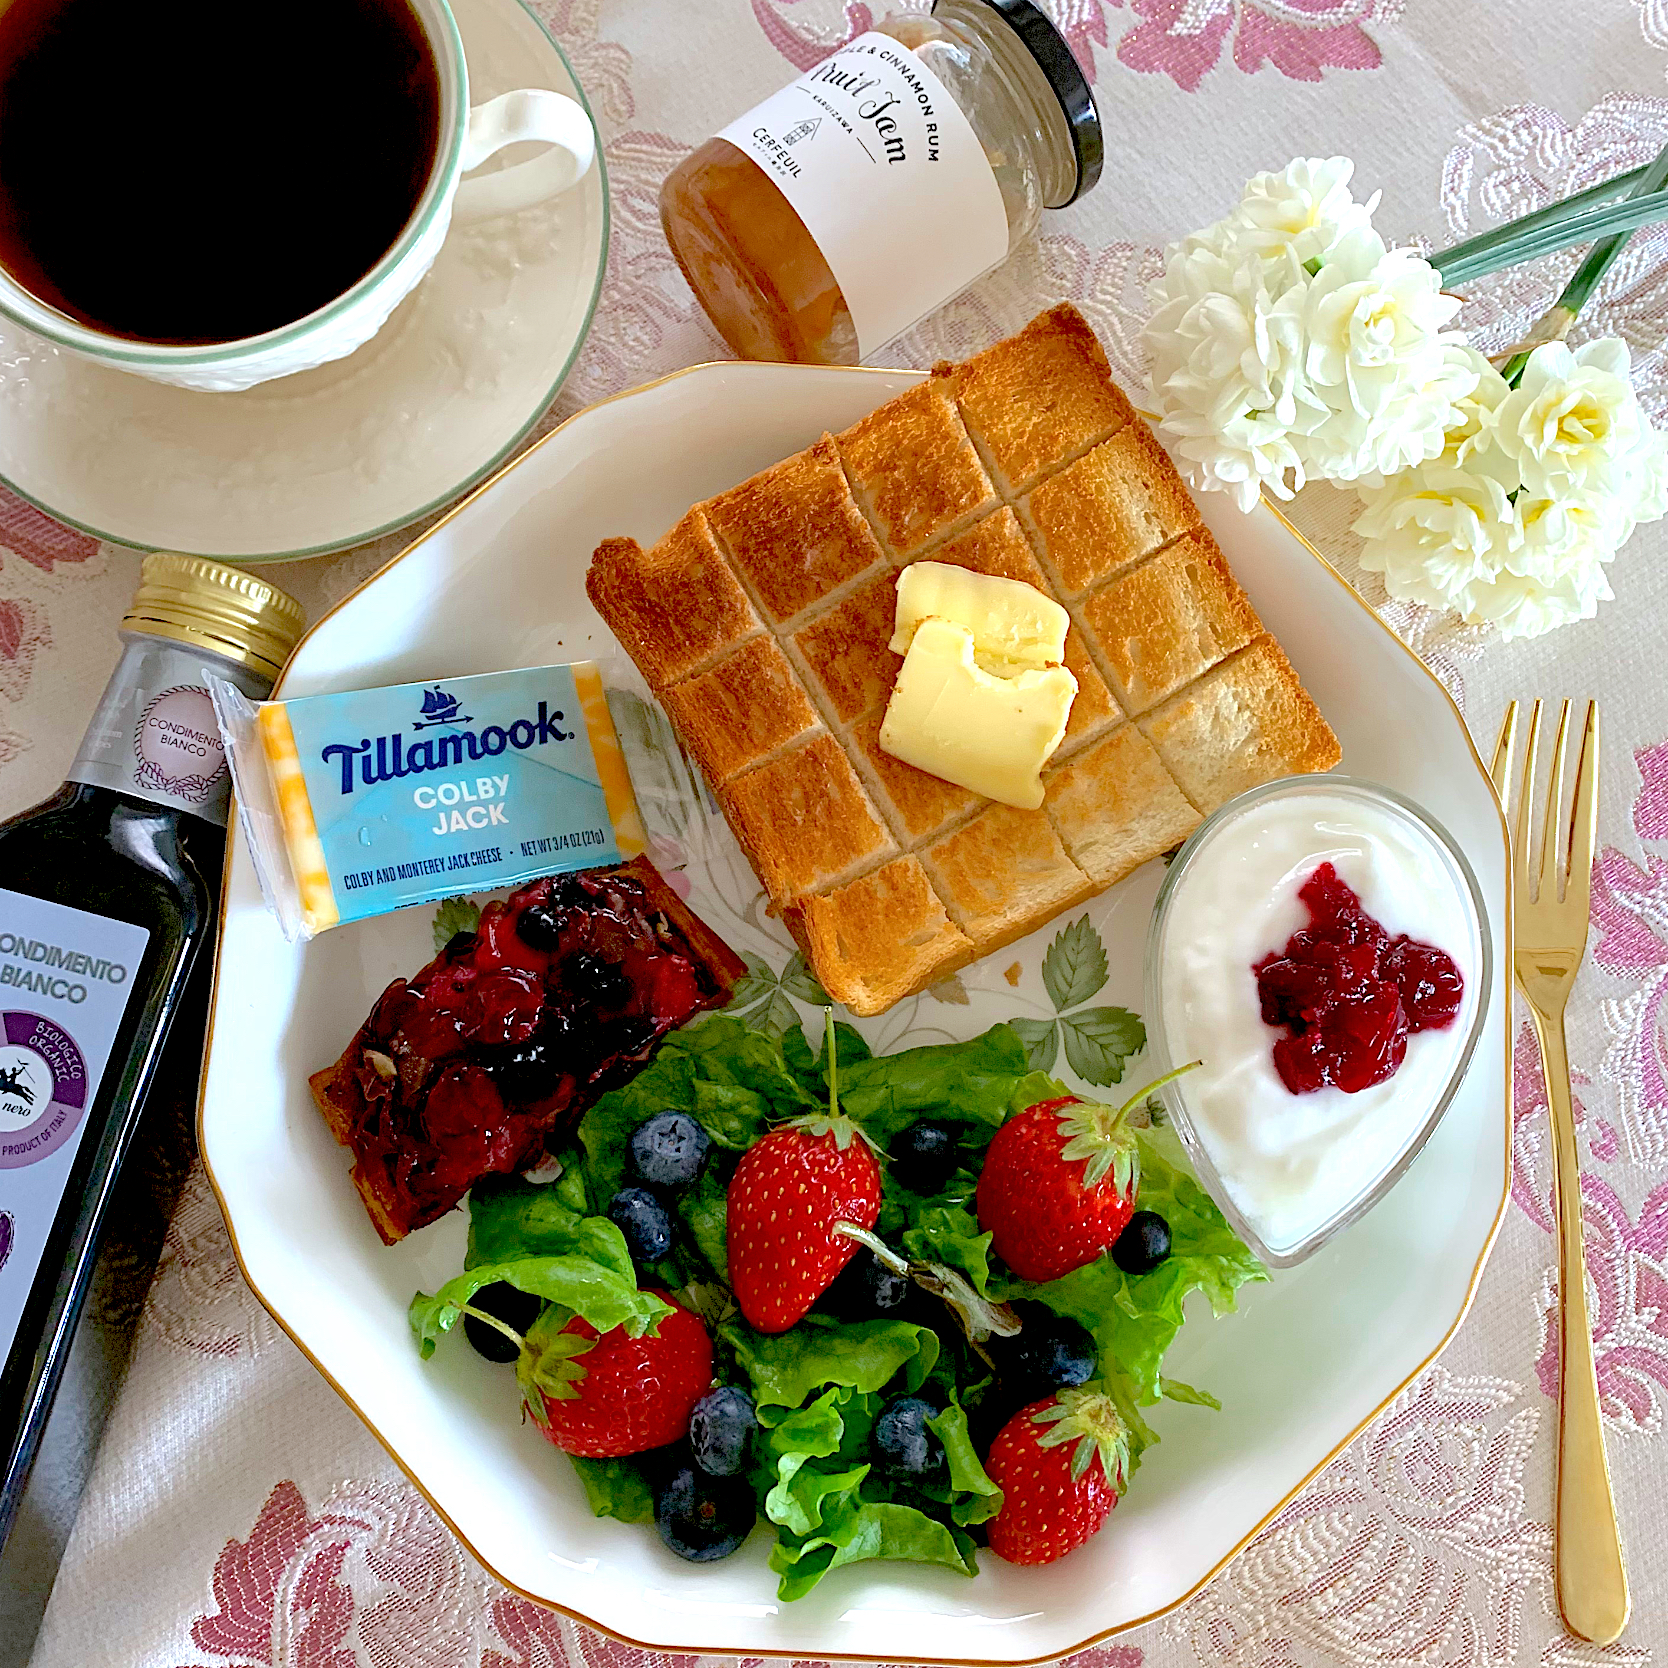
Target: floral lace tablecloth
238 1516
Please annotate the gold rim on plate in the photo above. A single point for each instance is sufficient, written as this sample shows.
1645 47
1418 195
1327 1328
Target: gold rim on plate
754 1650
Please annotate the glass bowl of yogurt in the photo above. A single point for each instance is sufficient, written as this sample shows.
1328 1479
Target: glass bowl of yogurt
1320 947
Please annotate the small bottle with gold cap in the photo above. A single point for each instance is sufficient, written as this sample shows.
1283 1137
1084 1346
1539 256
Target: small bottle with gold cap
107 894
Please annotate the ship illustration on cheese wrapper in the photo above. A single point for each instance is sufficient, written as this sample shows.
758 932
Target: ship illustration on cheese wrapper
371 800
982 698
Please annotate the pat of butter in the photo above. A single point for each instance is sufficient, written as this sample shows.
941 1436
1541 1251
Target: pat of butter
390 797
990 734
1013 624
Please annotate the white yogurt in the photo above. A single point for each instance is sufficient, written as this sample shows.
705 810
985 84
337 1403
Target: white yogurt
1291 1164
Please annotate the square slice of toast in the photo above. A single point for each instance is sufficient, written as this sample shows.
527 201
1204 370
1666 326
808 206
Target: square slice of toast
763 621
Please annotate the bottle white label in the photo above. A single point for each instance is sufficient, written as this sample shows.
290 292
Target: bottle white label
877 159
66 977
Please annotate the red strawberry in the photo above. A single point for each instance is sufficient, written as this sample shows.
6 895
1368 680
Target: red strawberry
789 1190
1061 1464
1058 1185
617 1394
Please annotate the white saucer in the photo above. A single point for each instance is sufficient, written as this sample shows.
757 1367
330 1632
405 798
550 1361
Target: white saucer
335 456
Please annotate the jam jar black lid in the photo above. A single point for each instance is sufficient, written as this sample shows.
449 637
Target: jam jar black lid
1065 77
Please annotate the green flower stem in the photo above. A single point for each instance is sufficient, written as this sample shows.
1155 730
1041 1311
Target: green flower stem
1626 216
1554 324
1579 290
1482 242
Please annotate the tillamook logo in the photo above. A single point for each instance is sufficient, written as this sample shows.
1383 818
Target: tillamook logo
389 758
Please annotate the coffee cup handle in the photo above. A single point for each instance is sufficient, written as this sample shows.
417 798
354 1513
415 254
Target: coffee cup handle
533 113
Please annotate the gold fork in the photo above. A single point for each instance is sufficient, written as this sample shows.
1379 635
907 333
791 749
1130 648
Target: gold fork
1550 906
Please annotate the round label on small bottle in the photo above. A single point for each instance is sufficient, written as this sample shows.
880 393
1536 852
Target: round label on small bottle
177 744
43 1088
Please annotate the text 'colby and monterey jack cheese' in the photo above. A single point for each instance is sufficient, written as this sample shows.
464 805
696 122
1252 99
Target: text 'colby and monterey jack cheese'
982 698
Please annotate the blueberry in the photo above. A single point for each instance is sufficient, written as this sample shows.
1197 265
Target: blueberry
703 1518
1143 1244
515 1308
866 1287
598 981
720 1428
459 945
1051 1352
902 1442
539 927
924 1157
669 1149
644 1221
528 1071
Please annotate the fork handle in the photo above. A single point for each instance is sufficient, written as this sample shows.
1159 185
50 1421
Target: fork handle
1587 1544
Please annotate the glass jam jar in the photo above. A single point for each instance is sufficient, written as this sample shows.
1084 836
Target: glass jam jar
884 181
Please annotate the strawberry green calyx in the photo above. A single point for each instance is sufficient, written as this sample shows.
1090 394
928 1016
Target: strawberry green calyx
1089 1418
1104 1137
550 1364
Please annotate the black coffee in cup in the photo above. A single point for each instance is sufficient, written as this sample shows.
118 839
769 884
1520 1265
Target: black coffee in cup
196 171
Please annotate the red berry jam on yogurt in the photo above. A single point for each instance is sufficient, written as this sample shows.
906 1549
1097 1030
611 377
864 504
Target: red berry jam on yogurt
1348 995
1318 947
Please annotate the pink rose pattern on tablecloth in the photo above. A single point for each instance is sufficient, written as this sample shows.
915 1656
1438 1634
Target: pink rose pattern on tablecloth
374 1576
37 539
1302 39
1183 39
1627 1270
1630 921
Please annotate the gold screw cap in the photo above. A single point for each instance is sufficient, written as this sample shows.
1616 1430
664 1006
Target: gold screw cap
218 608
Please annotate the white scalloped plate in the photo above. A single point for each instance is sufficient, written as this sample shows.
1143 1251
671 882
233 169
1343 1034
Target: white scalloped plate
1310 1359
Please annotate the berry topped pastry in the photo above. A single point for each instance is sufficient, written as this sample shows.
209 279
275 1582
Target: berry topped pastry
465 1070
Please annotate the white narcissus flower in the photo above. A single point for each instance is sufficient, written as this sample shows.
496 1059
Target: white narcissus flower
1433 531
1465 429
1373 335
1227 374
1525 607
1288 342
1573 421
1293 219
1426 422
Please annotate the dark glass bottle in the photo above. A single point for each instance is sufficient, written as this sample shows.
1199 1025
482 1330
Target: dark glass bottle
108 891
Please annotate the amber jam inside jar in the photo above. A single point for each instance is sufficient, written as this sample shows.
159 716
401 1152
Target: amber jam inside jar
764 225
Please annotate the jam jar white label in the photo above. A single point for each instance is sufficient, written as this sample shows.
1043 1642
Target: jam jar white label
65 981
877 159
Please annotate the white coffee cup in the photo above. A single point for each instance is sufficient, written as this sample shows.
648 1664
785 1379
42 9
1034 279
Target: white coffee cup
467 138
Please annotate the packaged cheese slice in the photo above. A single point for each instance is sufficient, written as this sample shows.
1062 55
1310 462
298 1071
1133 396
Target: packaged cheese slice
371 800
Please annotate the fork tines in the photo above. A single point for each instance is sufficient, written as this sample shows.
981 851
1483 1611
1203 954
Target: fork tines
1565 853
